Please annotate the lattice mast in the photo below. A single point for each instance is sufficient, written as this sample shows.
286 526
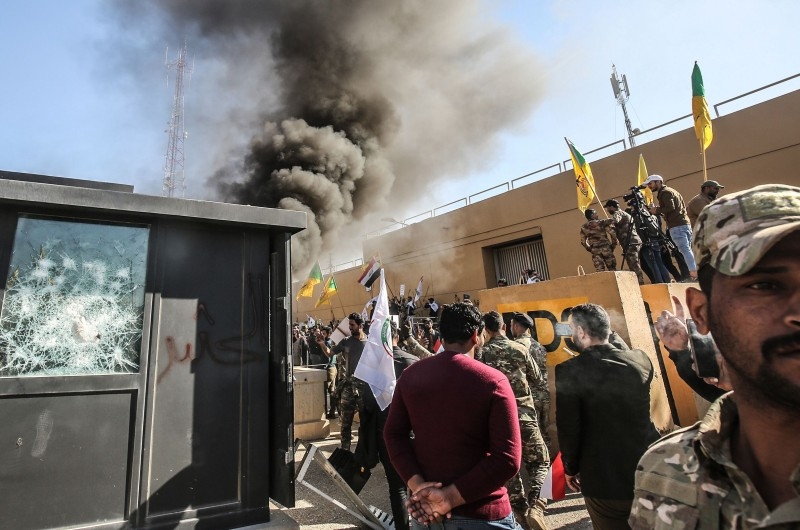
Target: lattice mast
622 93
174 160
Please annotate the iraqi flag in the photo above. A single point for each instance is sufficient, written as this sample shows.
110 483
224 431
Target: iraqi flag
371 272
376 365
555 485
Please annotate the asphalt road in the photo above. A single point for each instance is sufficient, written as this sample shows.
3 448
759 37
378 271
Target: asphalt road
314 512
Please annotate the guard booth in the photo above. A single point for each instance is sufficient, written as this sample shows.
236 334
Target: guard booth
144 380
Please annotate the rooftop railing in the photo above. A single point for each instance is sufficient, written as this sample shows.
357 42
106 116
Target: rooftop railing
660 131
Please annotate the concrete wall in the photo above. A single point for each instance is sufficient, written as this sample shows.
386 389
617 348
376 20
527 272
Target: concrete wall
757 145
548 302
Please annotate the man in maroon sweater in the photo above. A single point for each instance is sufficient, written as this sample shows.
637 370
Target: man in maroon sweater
466 442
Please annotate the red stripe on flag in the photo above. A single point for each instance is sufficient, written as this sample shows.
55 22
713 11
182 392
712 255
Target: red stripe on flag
367 270
555 484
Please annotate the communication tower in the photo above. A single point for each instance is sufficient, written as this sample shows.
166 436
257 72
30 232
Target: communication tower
173 161
622 93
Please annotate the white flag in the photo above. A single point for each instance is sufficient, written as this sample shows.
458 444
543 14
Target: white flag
418 292
376 365
365 311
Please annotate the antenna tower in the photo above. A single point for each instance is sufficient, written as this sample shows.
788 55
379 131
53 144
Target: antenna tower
173 161
622 93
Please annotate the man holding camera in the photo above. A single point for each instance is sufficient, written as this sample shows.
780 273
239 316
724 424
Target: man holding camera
673 208
739 467
625 228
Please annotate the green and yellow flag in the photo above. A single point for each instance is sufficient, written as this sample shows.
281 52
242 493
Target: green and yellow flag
327 292
583 177
702 119
648 195
314 277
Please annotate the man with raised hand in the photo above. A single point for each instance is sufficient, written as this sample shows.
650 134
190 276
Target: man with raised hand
739 467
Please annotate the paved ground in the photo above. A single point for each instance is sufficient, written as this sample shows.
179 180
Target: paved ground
314 512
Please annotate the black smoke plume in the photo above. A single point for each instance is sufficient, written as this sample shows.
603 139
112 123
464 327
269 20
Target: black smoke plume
362 104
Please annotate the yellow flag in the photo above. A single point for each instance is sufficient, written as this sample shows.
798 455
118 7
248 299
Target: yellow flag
314 277
584 180
648 195
327 292
702 118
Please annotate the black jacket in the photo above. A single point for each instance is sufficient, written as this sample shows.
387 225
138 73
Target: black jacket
372 418
603 418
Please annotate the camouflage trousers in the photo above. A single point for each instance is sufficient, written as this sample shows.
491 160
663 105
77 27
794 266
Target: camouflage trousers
541 399
631 257
333 400
603 259
536 460
349 403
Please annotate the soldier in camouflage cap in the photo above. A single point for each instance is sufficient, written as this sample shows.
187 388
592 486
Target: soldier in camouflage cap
513 359
739 467
739 229
521 327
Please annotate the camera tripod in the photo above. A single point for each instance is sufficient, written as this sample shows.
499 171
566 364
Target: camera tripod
653 241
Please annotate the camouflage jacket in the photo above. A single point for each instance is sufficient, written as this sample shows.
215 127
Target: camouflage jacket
688 480
513 360
598 234
539 356
623 223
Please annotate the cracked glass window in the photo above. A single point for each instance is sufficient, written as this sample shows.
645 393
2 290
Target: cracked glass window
74 299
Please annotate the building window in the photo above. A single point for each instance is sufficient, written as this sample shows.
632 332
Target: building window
511 260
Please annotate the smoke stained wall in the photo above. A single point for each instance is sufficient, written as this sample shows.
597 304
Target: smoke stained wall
353 108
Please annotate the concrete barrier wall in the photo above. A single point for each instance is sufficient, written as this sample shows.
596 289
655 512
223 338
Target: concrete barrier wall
619 293
687 406
309 404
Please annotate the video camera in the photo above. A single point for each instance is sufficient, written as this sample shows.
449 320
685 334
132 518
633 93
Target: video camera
646 224
635 197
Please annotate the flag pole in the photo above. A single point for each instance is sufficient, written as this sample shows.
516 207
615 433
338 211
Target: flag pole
597 198
341 304
703 149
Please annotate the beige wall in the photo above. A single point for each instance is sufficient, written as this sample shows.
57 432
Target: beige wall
757 145
617 292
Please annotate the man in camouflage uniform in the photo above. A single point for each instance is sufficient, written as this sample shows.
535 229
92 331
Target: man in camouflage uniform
514 360
739 467
348 354
598 237
625 228
521 326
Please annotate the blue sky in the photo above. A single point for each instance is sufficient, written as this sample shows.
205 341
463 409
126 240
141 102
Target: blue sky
69 109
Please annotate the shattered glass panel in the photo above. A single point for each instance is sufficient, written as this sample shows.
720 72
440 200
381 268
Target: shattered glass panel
74 301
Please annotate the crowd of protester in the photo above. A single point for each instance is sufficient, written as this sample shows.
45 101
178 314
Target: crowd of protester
471 406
